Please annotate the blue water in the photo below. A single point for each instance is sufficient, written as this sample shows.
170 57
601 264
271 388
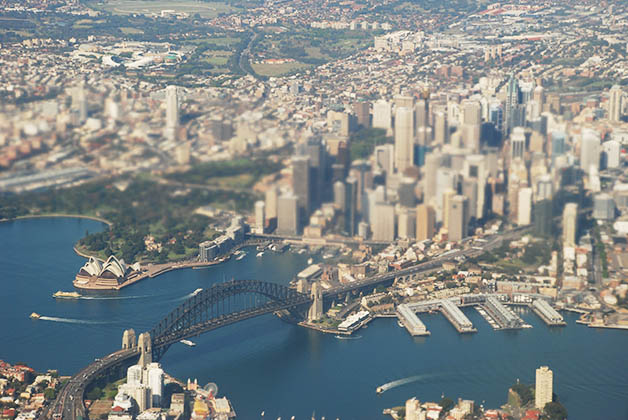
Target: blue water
267 365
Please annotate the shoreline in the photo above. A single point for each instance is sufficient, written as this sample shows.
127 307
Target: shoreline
58 216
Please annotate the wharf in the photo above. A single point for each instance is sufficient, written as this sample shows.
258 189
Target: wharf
411 321
503 317
454 315
548 314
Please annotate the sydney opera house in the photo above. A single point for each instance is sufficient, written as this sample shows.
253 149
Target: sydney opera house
112 274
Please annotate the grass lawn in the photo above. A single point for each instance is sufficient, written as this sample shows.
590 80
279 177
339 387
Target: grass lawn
278 69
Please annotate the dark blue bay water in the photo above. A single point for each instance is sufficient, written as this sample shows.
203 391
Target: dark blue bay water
266 365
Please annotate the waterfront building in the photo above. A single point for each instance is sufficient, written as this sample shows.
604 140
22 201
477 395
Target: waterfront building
615 104
570 224
544 387
110 274
414 411
134 375
458 218
155 383
288 215
425 221
404 138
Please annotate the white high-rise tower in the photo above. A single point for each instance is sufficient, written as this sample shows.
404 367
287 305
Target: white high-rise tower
172 112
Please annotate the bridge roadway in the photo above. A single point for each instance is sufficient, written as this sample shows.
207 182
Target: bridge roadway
69 403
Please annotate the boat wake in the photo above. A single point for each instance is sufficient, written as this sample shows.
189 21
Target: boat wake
115 297
348 337
70 320
400 382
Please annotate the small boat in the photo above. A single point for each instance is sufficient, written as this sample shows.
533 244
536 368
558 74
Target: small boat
328 256
35 315
196 292
260 247
302 251
239 257
66 295
260 254
379 390
187 343
310 260
400 324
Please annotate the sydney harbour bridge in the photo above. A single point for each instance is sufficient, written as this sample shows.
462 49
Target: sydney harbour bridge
225 304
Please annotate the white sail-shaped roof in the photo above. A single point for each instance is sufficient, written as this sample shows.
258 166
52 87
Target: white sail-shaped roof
93 267
114 266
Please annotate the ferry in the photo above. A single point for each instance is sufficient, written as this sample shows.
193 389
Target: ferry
35 315
66 295
196 292
260 254
188 343
379 390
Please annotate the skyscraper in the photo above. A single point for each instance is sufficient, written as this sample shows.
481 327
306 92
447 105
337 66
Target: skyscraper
260 216
590 150
524 212
615 104
351 222
288 214
425 221
272 194
404 138
340 195
472 123
301 184
544 387
383 223
172 112
406 223
382 115
385 158
558 144
570 224
441 128
512 103
421 113
362 112
458 218
517 143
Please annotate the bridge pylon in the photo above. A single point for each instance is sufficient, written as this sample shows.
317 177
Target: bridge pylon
128 339
146 350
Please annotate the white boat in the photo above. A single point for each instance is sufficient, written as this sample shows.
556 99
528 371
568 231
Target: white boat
302 251
196 292
260 254
239 257
310 260
187 343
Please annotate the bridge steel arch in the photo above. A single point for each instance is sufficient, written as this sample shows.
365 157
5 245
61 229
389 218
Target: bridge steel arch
224 304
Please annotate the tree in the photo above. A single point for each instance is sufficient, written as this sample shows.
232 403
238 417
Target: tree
50 394
447 404
555 411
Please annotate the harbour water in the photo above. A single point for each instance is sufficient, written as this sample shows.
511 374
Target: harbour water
264 364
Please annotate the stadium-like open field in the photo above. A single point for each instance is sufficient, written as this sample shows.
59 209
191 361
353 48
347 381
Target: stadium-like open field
147 7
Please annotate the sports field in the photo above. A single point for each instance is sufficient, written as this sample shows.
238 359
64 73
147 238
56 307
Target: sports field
147 7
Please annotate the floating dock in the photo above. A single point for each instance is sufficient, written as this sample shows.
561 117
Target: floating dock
548 314
410 321
456 317
503 316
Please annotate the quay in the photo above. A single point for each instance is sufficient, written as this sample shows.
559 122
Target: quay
502 316
410 321
456 317
548 314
